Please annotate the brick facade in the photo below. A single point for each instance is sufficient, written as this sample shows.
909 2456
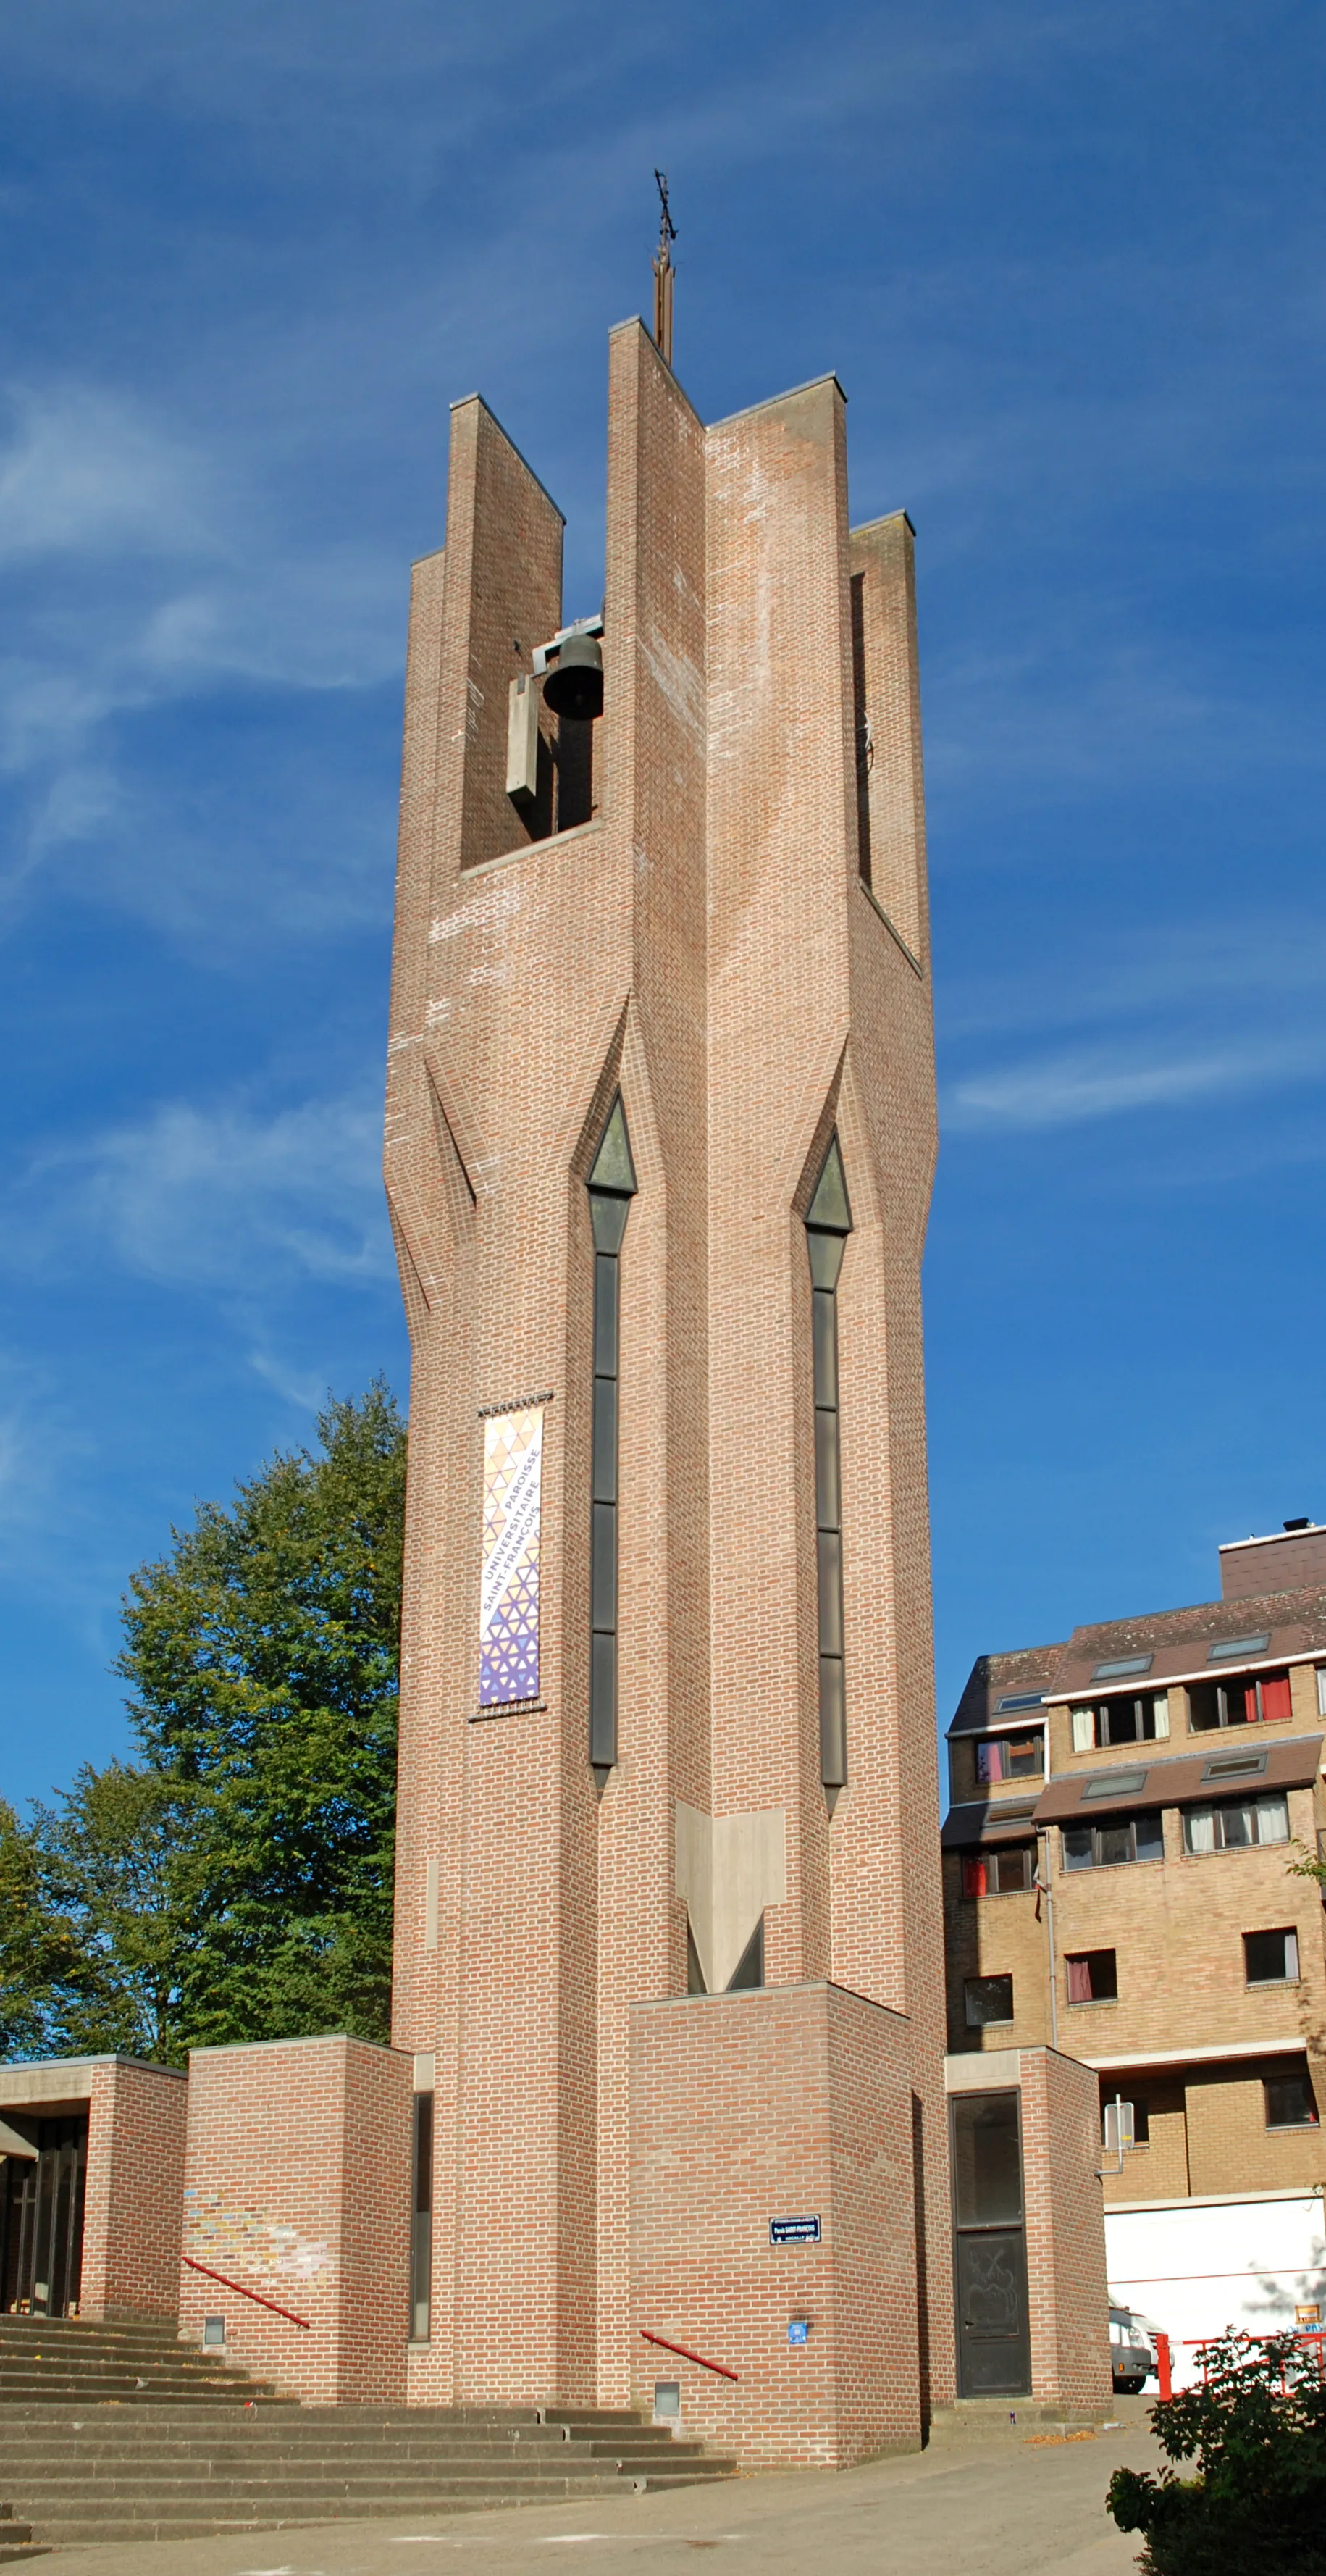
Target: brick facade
1191 2038
736 938
746 2108
297 2190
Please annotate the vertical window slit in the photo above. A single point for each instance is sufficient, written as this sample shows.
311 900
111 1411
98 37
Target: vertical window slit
421 2221
612 1186
828 1224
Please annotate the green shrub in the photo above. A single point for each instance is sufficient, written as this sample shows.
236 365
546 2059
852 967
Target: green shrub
1257 2433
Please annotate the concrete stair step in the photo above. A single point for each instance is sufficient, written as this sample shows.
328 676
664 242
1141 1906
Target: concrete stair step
40 2486
976 2421
84 2330
64 2531
94 2370
101 2456
16 2539
594 2417
129 2395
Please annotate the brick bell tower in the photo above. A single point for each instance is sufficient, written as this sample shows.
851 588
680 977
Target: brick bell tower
660 1137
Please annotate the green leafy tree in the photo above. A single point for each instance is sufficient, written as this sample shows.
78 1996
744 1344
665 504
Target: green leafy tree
40 1956
1257 2430
262 1654
119 1858
235 1881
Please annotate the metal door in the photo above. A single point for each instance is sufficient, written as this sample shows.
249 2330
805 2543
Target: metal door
989 2251
41 2257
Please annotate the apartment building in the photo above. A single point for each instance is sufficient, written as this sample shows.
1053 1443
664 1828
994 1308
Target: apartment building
1128 1812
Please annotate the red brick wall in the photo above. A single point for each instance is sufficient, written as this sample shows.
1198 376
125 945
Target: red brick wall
1068 2293
297 2186
791 2101
135 2183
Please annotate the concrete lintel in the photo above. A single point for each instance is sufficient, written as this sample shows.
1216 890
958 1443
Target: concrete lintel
983 2071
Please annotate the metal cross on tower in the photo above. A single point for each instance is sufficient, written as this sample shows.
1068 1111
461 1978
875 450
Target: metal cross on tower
664 272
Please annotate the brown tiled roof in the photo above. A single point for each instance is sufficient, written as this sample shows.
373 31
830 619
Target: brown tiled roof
1182 1778
977 1820
1179 1641
995 1677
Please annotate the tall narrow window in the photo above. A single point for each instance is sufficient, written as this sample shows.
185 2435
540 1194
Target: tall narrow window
828 1224
612 1186
421 2223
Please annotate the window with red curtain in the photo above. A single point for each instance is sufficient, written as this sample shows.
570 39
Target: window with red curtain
1079 1980
973 1877
989 1762
1275 1695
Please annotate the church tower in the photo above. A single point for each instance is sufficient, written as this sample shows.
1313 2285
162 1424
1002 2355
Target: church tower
660 1138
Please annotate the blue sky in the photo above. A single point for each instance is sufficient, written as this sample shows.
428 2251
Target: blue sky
1069 264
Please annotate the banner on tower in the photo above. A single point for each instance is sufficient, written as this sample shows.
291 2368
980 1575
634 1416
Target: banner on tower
509 1585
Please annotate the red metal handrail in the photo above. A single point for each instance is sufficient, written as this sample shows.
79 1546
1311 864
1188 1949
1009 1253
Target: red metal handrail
718 2368
256 2295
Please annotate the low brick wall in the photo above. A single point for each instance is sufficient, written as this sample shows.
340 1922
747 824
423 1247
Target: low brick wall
786 2101
297 2187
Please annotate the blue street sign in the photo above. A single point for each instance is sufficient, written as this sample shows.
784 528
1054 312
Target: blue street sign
794 2231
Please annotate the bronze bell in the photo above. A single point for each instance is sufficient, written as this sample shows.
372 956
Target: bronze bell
574 686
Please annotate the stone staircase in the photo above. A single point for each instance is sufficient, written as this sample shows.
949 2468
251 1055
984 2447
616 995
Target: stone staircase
120 2433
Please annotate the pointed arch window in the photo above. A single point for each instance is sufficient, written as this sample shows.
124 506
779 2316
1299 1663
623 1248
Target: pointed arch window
612 1186
828 1224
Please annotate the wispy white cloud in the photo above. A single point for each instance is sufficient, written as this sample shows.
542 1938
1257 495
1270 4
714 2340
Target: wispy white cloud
222 1198
145 574
85 473
298 1387
1135 972
1072 1088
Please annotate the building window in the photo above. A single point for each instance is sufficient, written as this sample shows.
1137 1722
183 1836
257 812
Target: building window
1143 1720
989 2000
1270 1958
1011 1757
1236 1827
1122 1838
1124 2125
612 1186
828 1224
1246 1699
421 2223
1289 2102
1321 1690
998 1873
1093 1977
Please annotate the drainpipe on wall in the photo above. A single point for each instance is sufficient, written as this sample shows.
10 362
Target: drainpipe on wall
1048 1893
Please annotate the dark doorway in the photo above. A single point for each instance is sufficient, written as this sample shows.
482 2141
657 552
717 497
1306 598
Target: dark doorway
989 2252
41 2219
